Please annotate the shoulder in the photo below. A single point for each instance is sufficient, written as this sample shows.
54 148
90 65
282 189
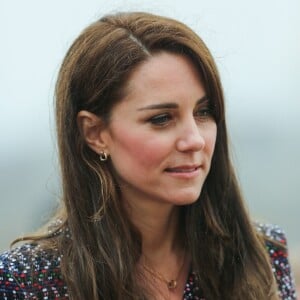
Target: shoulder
31 272
272 233
276 246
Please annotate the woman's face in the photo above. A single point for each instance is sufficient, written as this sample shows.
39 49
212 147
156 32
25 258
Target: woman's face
162 135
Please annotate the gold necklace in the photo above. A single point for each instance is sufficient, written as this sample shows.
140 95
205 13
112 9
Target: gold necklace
171 284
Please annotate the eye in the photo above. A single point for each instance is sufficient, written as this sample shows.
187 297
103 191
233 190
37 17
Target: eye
161 119
204 113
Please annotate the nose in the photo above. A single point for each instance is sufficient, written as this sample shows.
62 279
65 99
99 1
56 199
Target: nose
191 137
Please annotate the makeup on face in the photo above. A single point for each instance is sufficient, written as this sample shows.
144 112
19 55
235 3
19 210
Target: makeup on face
162 134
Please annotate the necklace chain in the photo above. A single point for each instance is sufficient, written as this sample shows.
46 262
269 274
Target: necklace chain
171 284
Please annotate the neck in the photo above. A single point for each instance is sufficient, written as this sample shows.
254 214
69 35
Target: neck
158 224
164 263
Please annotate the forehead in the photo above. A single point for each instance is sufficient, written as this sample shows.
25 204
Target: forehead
165 75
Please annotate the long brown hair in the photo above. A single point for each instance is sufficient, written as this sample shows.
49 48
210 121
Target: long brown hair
99 260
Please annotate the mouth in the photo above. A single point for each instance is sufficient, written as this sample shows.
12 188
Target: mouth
183 169
184 172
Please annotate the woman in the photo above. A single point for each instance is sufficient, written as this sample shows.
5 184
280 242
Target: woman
151 207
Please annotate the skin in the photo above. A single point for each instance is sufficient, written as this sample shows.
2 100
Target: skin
160 140
162 154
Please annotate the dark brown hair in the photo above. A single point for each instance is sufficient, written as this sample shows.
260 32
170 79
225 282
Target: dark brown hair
99 260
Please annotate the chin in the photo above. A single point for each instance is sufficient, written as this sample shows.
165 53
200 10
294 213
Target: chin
186 199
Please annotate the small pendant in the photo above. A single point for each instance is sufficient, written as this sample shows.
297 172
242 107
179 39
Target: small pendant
172 284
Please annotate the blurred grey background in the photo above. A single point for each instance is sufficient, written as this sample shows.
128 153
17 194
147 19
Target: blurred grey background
256 45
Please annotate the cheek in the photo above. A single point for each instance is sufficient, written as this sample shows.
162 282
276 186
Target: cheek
138 149
211 140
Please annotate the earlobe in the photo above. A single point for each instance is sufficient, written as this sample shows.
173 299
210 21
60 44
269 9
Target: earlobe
91 128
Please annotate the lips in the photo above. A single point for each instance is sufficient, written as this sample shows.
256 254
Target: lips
183 169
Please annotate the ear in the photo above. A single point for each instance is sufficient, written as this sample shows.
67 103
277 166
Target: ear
93 131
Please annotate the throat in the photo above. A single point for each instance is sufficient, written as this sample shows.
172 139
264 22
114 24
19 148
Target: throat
160 232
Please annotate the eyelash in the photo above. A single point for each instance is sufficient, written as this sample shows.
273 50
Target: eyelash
162 120
205 113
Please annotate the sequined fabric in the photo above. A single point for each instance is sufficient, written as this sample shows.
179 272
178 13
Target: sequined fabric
279 260
29 272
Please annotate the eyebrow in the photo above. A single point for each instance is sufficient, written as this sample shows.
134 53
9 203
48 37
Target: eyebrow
169 105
